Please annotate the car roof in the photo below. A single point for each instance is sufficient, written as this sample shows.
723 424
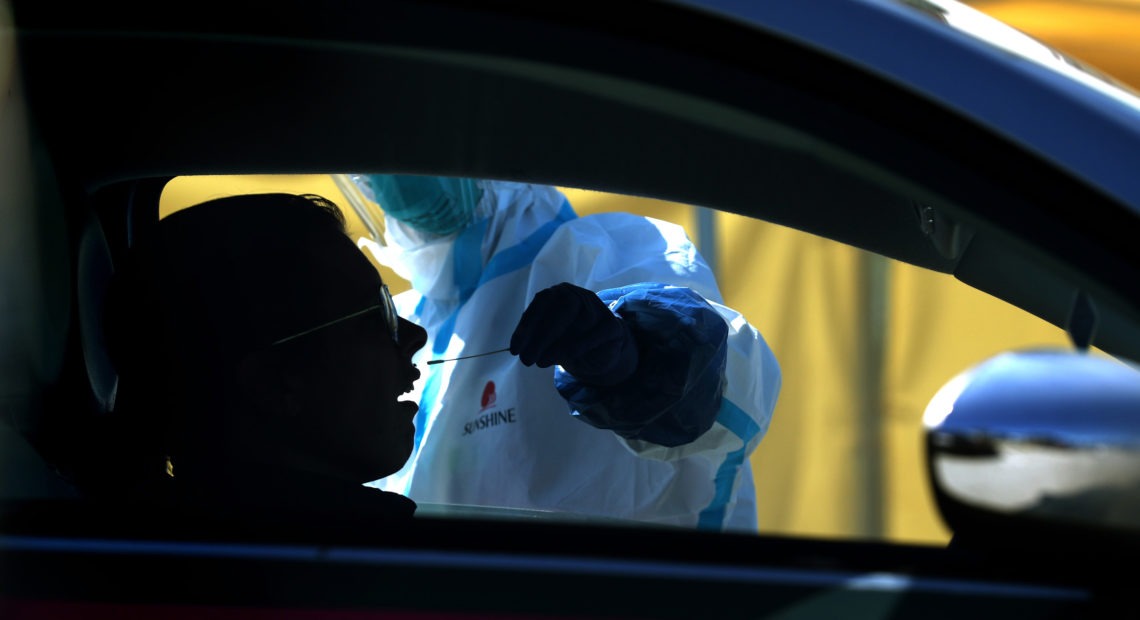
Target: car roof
985 69
775 110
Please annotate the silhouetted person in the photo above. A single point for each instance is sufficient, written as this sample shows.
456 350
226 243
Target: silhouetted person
262 366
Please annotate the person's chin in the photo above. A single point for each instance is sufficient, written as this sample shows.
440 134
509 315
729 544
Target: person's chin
409 408
398 449
382 469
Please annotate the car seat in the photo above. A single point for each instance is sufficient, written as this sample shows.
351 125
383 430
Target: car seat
58 249
120 214
94 274
36 297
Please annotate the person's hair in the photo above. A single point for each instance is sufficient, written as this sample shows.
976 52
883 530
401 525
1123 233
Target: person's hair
326 205
217 281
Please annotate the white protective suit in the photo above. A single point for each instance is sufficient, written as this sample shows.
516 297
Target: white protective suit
493 432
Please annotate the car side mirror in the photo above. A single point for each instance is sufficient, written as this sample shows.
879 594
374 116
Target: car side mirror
1038 446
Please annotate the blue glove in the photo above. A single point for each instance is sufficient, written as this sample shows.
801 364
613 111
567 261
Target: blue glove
570 326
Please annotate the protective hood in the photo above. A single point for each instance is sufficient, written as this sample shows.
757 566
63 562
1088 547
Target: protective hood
443 268
431 205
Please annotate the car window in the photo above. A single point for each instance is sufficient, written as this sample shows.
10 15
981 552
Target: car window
863 343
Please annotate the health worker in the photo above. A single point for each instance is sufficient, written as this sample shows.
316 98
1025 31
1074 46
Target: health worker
621 387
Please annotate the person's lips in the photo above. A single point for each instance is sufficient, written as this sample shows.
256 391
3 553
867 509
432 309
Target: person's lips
412 374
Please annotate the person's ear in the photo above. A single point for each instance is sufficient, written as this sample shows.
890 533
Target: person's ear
268 384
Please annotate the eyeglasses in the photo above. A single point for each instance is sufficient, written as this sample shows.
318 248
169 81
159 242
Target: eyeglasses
386 306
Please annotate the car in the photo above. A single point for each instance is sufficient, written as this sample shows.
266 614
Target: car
1002 163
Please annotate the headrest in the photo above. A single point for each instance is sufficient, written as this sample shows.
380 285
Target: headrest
95 270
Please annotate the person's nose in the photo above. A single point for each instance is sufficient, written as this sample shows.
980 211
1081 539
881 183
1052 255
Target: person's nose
412 337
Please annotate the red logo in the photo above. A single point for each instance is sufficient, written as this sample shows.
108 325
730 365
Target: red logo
488 395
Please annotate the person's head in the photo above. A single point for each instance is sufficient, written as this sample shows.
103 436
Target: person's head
251 329
429 204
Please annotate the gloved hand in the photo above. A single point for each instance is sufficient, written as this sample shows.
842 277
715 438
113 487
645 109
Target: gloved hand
570 326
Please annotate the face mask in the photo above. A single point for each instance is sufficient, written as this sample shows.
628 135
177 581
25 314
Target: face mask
422 261
433 205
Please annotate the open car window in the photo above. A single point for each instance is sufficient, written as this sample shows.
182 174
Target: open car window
863 343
